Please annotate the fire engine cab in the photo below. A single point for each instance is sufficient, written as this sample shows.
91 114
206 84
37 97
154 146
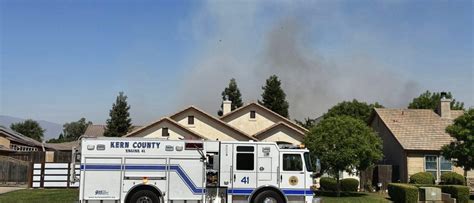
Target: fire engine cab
144 170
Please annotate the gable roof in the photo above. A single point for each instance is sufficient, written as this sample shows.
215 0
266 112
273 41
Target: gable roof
417 129
165 119
98 130
20 138
276 125
220 122
257 105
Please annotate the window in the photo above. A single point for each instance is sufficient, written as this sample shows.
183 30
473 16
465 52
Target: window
245 161
292 162
431 165
190 120
245 158
245 148
445 165
193 146
252 114
307 162
164 132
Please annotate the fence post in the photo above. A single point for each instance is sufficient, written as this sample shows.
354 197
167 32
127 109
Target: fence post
68 174
43 160
8 173
31 165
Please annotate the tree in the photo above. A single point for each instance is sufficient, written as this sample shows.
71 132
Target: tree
354 108
73 130
119 122
343 143
29 128
307 122
56 140
428 100
273 97
231 93
461 150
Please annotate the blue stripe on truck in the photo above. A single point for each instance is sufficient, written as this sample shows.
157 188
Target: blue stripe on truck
184 176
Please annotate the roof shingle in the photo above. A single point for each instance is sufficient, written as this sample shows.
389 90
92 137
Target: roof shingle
98 130
417 129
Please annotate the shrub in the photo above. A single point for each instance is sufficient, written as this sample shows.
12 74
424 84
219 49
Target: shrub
328 184
452 178
349 185
422 178
403 193
461 193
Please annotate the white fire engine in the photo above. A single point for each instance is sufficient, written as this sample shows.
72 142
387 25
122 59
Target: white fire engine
140 170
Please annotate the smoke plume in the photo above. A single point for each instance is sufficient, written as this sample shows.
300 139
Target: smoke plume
242 47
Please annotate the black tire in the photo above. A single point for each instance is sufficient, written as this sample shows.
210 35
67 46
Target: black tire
268 194
144 195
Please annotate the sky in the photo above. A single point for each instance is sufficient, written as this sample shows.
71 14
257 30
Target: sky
61 60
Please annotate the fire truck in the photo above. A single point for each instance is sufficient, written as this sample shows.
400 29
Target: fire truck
144 170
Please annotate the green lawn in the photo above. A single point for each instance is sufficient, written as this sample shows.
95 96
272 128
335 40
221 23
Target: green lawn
40 196
71 195
355 198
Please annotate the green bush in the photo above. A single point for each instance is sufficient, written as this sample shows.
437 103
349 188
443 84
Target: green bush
328 184
403 193
349 185
452 178
422 178
461 193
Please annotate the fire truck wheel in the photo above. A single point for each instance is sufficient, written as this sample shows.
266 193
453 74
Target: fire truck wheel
269 196
144 196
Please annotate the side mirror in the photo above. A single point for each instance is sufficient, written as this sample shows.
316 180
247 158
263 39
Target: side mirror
318 166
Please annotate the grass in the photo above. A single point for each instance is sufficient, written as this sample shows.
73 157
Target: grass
40 196
353 197
71 195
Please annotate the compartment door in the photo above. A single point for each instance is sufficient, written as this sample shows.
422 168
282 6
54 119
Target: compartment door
136 169
102 178
186 179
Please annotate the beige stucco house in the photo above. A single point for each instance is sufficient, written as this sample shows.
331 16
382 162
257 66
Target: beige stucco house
250 122
412 139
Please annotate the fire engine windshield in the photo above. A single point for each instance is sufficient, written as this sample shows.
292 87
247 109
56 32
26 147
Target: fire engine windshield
307 162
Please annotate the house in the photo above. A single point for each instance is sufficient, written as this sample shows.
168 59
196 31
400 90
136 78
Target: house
98 130
249 122
412 139
11 141
16 145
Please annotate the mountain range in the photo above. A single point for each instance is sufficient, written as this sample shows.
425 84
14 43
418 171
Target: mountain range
52 129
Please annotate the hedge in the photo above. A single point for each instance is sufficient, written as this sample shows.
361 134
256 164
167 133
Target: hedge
328 184
422 178
349 184
461 193
452 178
403 193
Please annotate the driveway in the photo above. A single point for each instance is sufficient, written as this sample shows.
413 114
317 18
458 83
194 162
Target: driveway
9 189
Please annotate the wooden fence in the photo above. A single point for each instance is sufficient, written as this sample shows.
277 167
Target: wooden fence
35 157
14 171
34 170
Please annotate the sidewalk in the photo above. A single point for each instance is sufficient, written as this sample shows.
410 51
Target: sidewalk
9 189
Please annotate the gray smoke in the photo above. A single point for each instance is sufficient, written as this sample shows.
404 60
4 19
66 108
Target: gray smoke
312 82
